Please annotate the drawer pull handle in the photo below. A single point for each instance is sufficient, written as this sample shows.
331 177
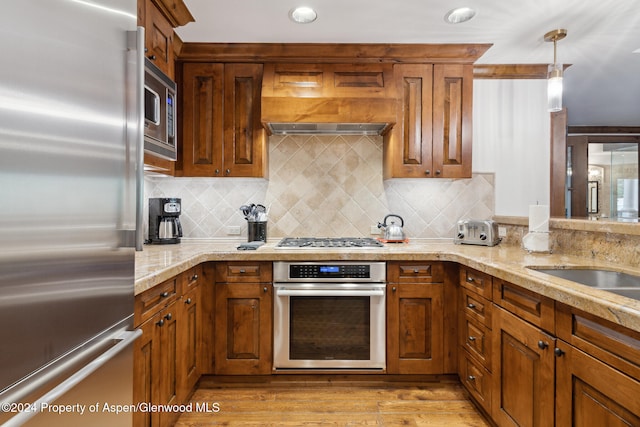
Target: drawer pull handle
242 271
164 294
471 378
168 316
471 306
543 345
187 301
160 322
194 278
472 339
470 279
416 271
558 352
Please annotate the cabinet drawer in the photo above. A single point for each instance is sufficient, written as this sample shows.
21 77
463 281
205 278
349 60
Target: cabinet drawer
476 281
477 380
611 343
190 278
418 272
476 307
476 339
154 299
532 307
254 272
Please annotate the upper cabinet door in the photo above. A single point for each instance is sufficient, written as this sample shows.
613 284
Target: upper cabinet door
158 39
452 109
201 117
244 136
408 145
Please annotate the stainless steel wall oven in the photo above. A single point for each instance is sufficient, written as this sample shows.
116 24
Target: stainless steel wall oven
329 315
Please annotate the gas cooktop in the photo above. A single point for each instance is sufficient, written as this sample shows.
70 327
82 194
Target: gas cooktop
328 242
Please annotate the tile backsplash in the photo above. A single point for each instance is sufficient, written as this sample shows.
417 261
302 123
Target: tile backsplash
327 186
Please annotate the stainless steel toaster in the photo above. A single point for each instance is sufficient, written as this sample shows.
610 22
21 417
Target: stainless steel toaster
477 232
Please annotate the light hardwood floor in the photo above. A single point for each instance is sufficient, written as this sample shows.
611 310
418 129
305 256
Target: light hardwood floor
329 401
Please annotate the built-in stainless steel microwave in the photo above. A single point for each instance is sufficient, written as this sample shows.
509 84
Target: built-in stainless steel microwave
159 113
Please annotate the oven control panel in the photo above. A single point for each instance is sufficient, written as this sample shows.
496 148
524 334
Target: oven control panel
333 271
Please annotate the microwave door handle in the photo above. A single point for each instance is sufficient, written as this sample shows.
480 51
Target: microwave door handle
156 110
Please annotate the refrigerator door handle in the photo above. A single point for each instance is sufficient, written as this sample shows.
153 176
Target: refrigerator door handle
124 338
133 207
139 137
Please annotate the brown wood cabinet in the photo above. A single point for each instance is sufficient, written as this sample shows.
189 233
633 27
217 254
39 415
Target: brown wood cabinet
598 367
475 335
222 135
189 341
155 367
432 135
523 368
166 358
244 318
158 41
415 318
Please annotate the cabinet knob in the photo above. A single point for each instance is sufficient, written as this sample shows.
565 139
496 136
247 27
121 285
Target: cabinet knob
217 171
542 345
168 316
470 279
471 306
471 378
393 289
187 301
227 171
265 290
152 57
164 294
437 172
427 172
471 339
160 322
558 352
242 271
194 278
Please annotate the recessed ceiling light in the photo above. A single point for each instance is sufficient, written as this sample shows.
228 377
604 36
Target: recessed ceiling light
459 15
302 15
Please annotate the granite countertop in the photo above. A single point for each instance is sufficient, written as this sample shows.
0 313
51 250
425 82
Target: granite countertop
156 264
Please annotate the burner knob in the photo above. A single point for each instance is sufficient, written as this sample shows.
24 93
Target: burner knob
460 235
483 236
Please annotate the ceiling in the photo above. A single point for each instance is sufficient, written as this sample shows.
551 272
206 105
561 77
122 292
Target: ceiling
602 86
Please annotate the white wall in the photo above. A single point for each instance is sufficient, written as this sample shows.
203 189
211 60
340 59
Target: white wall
511 137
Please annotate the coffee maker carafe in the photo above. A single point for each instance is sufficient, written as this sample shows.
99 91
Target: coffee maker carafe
164 220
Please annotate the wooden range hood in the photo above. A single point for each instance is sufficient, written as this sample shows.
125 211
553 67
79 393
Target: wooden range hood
328 98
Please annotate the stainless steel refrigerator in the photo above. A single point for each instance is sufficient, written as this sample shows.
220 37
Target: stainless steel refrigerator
71 84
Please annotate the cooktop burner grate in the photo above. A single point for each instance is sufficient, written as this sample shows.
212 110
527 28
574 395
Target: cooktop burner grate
329 242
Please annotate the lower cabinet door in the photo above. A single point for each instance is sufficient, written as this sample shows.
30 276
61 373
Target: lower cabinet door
591 393
189 337
415 342
243 328
523 368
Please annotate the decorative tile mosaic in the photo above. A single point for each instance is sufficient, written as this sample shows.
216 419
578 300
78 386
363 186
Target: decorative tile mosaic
327 186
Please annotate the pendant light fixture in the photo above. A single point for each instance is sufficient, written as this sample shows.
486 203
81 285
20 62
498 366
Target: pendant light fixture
554 77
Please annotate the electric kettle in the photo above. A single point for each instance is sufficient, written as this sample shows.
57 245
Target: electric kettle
393 232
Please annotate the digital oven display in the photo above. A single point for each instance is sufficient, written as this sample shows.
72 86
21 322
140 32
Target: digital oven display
319 271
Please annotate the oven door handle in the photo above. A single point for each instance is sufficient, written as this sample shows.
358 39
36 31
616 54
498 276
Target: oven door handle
329 292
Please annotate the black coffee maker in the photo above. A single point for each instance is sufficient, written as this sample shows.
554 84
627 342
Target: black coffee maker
164 220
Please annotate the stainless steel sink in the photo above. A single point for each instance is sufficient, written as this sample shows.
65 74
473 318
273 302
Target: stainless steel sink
616 282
